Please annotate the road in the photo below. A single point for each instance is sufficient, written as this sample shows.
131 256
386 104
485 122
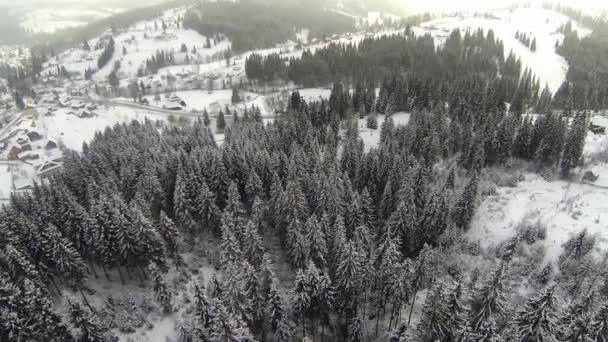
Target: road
108 102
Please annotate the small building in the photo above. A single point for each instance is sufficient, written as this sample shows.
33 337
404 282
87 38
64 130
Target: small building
34 136
78 105
13 152
85 114
598 124
172 105
23 184
47 168
51 144
28 155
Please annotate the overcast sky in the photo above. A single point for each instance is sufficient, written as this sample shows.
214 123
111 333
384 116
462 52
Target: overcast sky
481 5
413 5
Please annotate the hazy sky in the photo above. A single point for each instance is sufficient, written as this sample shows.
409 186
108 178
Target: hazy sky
481 5
415 5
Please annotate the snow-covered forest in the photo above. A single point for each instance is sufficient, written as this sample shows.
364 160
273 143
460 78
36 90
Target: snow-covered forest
352 214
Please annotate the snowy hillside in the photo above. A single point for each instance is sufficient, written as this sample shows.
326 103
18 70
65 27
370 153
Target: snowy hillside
541 24
563 208
135 45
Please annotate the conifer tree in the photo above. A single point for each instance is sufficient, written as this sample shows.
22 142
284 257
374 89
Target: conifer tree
317 241
86 322
372 121
465 207
253 247
537 320
575 142
169 233
599 325
162 293
206 120
488 304
221 122
433 324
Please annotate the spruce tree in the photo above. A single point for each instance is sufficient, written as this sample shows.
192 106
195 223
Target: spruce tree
221 122
162 293
575 142
466 205
537 320
488 303
599 325
433 324
86 323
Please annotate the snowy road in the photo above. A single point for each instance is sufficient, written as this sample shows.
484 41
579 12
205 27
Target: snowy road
108 102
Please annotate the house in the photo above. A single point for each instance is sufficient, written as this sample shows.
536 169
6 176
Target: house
78 105
85 114
92 106
22 184
28 155
178 100
34 136
51 144
47 168
598 124
24 143
13 152
172 105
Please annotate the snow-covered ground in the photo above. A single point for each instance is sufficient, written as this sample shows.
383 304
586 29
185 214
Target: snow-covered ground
371 137
72 131
140 42
564 208
541 24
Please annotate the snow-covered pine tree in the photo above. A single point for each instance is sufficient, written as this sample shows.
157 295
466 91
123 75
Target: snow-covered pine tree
574 323
435 318
488 303
599 325
206 120
356 330
372 121
86 323
220 122
575 142
253 246
169 233
207 210
230 246
349 280
235 296
464 209
316 239
162 292
537 321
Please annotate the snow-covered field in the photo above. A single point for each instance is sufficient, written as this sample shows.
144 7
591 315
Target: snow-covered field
541 24
72 131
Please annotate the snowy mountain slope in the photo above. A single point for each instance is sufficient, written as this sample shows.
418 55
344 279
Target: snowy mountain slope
541 24
140 42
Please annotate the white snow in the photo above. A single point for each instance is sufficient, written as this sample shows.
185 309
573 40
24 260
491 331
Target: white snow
72 131
371 137
541 24
6 181
565 208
